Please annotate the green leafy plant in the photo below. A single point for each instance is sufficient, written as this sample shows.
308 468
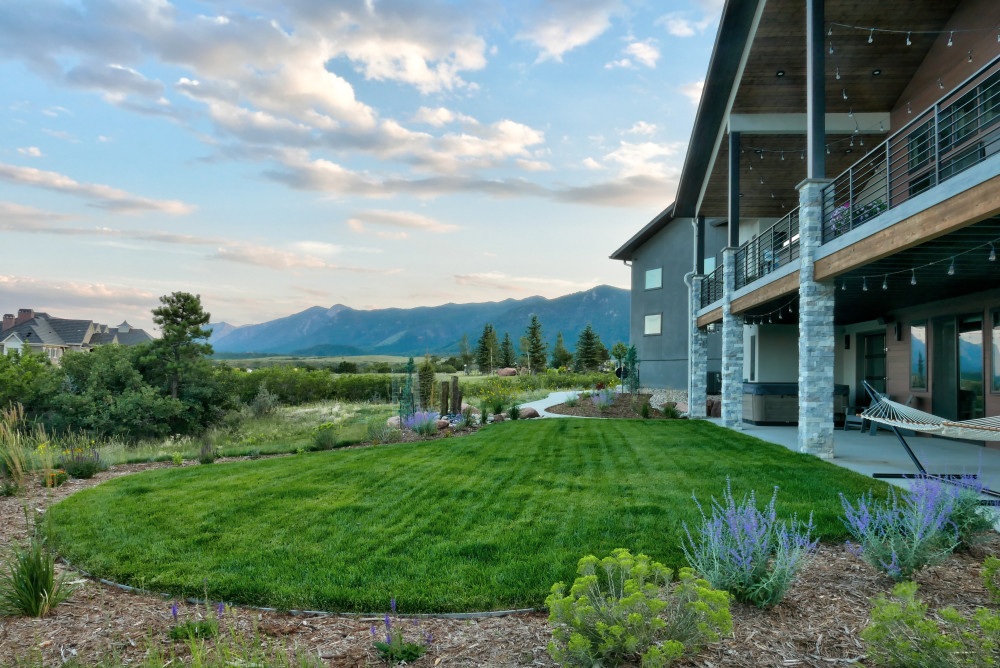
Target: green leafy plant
670 411
514 412
396 648
971 522
903 635
83 463
28 582
54 478
572 400
380 431
208 454
8 487
644 411
178 459
325 436
202 628
991 578
621 609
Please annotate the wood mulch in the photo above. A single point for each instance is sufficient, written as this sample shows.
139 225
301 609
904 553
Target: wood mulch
624 406
817 624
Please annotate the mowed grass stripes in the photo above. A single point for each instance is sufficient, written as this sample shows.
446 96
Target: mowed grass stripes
485 522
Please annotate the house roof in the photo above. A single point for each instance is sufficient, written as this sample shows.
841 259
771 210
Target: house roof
132 337
43 329
627 251
72 332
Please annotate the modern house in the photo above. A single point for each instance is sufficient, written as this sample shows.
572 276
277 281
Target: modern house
54 337
851 150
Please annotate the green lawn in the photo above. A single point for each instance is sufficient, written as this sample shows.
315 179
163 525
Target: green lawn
487 521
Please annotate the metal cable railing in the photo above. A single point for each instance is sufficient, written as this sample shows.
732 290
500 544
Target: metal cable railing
961 130
711 287
773 248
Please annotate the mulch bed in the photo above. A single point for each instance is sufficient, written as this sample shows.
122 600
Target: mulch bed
624 406
817 624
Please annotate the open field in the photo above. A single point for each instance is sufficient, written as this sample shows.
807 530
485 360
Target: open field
487 521
238 359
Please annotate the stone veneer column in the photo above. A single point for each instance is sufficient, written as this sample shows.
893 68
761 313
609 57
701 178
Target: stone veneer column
732 347
697 356
816 339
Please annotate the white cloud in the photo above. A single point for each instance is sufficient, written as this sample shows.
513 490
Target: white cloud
105 197
645 52
642 128
58 295
103 139
273 258
643 159
679 24
440 117
396 220
692 91
533 165
590 163
567 24
114 80
501 281
623 63
31 152
61 134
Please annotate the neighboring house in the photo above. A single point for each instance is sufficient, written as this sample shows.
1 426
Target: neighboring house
54 337
852 151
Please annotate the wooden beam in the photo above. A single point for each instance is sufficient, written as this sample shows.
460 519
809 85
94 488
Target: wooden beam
964 209
785 285
710 317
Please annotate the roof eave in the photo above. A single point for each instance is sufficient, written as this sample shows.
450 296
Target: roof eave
627 251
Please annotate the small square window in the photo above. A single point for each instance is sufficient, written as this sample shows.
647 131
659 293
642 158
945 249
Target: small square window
654 278
654 325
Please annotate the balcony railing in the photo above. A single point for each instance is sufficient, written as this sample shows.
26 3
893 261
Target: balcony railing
773 248
961 130
711 287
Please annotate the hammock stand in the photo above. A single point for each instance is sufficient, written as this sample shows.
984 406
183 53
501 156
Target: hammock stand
895 416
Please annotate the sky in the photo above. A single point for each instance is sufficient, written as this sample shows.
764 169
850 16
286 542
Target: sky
272 155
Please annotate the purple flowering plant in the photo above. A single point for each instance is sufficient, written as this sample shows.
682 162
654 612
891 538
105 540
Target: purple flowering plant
422 422
603 399
397 648
752 553
971 521
903 533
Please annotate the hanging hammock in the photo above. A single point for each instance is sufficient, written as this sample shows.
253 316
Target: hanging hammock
885 411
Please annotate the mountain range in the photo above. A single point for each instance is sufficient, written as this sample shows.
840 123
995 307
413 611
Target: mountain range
341 330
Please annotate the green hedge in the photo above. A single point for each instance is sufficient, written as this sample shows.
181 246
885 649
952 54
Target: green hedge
299 386
546 381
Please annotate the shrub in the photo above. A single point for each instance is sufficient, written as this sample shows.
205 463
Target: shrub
746 551
902 635
178 459
9 487
396 648
422 422
28 583
620 609
196 629
208 454
497 394
325 436
670 411
379 431
970 521
644 411
603 399
80 463
572 400
264 402
468 417
514 412
899 536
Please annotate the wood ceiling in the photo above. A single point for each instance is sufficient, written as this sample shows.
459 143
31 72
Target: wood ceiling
779 45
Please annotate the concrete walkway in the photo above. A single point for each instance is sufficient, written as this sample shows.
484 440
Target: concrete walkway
881 453
553 399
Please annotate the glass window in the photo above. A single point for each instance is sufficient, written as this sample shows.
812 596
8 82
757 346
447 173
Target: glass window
918 356
995 383
654 278
654 324
970 367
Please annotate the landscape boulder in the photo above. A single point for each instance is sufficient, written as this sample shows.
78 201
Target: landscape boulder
466 407
498 417
509 371
443 424
393 422
528 412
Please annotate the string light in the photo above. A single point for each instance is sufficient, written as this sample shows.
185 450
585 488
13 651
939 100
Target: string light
881 128
993 253
908 110
940 85
782 155
885 282
850 113
864 284
871 36
908 42
951 269
843 286
838 74
970 55
913 276
951 37
845 93
831 48
828 149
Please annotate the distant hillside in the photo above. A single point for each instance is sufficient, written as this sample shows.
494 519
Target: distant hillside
340 330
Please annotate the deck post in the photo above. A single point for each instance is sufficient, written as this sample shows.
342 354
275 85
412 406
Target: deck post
816 339
697 355
732 347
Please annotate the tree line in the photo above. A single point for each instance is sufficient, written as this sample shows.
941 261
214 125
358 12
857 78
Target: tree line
532 353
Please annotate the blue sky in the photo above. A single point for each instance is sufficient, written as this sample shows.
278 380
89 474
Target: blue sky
275 155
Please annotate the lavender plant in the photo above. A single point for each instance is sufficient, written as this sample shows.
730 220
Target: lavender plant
748 551
970 521
208 454
422 422
904 533
82 463
397 648
603 399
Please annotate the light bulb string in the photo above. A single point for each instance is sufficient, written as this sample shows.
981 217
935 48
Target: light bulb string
757 150
780 309
907 31
950 260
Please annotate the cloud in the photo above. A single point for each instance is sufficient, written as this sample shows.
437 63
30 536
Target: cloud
679 24
311 291
272 258
114 80
692 91
401 221
104 197
623 63
62 295
567 24
646 52
643 159
501 281
31 152
440 117
533 165
590 163
642 128
61 134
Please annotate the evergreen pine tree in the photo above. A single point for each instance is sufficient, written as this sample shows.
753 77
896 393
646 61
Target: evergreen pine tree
588 354
537 348
560 356
487 350
508 356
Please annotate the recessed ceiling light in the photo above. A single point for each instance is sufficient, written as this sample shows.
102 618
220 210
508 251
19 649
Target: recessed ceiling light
876 72
849 150
741 194
779 73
